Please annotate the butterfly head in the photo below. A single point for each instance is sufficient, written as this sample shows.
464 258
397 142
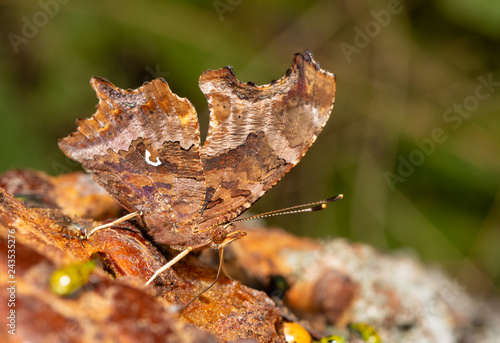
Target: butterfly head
222 235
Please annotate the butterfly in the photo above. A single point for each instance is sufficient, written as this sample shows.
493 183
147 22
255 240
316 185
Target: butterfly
143 146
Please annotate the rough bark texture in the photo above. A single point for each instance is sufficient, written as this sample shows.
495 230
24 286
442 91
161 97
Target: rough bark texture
325 286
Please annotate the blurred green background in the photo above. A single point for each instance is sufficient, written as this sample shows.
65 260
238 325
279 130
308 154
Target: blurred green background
413 143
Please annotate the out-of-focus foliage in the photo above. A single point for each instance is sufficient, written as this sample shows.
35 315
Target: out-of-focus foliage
479 16
413 142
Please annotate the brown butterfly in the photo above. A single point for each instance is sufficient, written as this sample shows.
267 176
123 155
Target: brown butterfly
143 146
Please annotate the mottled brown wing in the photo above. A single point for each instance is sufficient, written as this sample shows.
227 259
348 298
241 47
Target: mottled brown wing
142 146
258 133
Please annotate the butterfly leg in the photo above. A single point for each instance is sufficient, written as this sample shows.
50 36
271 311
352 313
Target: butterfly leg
169 264
226 274
119 220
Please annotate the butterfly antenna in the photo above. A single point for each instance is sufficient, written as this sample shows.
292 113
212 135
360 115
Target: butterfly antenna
311 207
221 263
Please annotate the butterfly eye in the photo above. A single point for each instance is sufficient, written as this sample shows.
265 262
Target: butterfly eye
219 235
67 280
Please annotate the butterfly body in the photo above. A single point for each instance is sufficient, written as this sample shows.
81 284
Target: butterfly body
143 146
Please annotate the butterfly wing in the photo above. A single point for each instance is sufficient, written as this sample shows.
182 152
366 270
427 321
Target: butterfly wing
143 147
258 133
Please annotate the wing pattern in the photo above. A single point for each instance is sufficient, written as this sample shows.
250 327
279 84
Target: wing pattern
258 133
143 146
